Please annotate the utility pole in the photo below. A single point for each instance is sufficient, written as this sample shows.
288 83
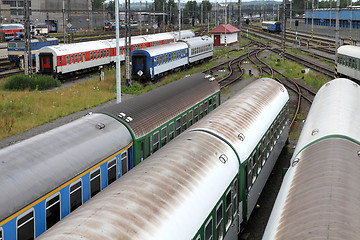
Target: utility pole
337 33
290 14
351 12
63 13
216 14
27 55
201 8
225 22
118 66
330 13
127 44
283 39
239 18
179 20
140 16
312 20
164 16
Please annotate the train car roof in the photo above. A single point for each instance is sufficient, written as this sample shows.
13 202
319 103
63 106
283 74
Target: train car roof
162 49
270 22
198 41
152 109
349 50
319 195
248 115
33 167
157 199
328 118
73 48
184 34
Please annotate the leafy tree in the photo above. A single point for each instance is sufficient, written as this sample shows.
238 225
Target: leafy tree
97 4
110 7
173 10
191 11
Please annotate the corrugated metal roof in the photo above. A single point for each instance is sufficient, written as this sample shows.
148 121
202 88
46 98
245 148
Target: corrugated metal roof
221 29
250 113
323 198
34 167
152 109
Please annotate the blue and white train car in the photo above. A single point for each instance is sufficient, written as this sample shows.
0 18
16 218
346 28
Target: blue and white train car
16 47
319 197
271 26
200 48
348 62
151 62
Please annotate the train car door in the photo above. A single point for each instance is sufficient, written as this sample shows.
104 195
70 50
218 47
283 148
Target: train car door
46 63
216 40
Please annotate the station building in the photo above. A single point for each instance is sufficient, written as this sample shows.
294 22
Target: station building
327 17
220 37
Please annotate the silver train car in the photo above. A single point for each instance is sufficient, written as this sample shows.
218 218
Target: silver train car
348 64
202 185
319 197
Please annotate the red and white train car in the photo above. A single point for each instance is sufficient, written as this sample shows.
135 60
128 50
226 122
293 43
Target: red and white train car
79 57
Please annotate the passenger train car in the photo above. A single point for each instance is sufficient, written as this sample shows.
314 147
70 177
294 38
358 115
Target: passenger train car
348 62
155 61
183 35
199 186
319 197
271 26
46 177
16 47
12 31
79 57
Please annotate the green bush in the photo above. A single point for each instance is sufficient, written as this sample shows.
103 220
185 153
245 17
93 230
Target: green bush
37 82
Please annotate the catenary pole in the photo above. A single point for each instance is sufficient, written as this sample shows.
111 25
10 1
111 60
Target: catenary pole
118 70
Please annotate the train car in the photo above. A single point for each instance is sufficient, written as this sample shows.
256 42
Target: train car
46 177
319 197
16 48
12 31
201 185
348 63
200 48
184 34
86 56
271 26
155 61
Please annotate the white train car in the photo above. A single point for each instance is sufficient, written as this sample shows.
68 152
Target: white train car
185 34
198 186
78 57
319 197
348 62
151 62
200 48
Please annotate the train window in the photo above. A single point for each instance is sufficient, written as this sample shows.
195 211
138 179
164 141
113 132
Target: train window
263 153
197 238
79 57
1 235
184 122
98 54
52 211
210 104
83 57
111 169
72 59
101 53
190 118
248 174
155 142
219 221
214 103
201 110
228 213
205 107
67 60
171 131
178 126
107 52
148 146
25 226
253 167
76 58
235 202
163 136
208 230
91 55
95 182
196 114
142 151
124 163
75 195
60 63
258 154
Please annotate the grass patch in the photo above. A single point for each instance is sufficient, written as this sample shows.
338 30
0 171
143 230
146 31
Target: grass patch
295 134
37 82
